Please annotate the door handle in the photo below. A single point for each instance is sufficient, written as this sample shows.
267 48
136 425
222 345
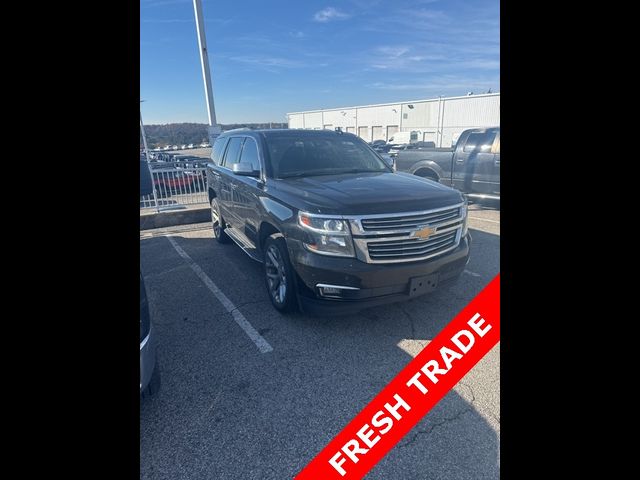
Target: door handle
460 160
496 163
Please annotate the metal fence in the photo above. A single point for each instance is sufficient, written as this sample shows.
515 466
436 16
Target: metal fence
176 185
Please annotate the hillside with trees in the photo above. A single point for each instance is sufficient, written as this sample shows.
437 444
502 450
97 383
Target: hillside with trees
185 133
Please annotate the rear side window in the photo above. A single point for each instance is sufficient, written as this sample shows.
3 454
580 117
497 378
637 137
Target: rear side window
233 151
218 150
250 154
480 142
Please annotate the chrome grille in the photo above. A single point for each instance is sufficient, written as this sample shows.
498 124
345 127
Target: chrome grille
393 238
409 221
411 248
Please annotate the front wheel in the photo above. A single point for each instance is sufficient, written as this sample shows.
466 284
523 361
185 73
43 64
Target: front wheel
279 274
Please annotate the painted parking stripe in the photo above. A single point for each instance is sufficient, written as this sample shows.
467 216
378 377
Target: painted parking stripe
485 220
244 324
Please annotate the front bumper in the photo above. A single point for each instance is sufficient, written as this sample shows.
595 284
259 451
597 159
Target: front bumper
147 358
375 284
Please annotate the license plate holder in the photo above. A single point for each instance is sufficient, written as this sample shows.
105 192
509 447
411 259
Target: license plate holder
422 285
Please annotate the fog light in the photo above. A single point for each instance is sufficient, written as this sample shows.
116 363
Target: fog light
335 291
329 291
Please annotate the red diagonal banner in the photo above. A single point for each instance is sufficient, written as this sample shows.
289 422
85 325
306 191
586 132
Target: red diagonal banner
413 392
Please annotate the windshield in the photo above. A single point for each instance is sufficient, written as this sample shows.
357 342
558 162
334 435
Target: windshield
301 156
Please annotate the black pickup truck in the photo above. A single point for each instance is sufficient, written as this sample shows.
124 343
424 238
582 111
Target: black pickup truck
472 166
336 229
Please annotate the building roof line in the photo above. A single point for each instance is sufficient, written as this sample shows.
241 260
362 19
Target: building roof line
494 94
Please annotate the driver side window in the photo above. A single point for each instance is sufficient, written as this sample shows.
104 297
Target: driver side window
250 154
233 152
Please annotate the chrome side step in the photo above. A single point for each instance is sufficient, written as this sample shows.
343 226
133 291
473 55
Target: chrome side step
243 242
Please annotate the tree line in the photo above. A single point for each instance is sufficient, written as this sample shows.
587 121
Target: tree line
158 136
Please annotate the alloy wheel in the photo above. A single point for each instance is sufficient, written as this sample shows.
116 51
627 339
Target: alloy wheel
276 274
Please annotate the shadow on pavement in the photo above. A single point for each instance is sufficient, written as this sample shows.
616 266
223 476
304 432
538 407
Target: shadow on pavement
227 411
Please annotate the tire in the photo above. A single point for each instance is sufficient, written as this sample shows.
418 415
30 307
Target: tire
217 223
279 275
154 383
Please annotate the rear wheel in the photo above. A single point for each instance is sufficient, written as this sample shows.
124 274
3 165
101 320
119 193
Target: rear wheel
279 274
218 223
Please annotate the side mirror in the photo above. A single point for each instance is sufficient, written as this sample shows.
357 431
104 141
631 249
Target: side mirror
245 169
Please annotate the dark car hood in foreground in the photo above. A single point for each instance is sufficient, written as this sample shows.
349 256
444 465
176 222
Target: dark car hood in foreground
364 193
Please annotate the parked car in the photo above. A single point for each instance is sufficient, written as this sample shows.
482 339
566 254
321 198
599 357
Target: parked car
149 368
170 180
472 166
192 166
385 148
336 229
402 138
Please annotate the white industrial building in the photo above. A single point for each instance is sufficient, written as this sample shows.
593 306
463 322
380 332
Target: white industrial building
439 120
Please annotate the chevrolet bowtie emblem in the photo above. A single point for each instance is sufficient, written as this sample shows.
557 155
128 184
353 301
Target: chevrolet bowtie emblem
425 232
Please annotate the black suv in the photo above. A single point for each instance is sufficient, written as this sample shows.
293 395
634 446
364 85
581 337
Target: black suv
336 228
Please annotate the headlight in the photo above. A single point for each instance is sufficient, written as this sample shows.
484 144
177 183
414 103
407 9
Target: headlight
465 218
326 236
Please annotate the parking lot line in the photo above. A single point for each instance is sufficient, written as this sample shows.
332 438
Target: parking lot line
244 324
484 220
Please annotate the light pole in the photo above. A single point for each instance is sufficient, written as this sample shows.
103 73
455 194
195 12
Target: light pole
214 128
146 154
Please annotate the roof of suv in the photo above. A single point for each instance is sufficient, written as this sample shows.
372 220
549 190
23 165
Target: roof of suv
267 132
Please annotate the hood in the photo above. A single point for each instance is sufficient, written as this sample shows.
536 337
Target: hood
364 193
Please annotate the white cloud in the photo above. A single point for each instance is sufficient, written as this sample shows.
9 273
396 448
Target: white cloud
393 51
329 13
265 61
401 58
160 3
443 84
297 34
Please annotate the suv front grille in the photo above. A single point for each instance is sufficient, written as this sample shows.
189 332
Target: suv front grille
408 221
411 248
396 238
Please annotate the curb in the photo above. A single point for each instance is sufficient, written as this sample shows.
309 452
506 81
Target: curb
175 217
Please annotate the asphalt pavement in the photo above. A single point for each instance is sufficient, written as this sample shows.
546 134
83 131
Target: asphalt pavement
228 411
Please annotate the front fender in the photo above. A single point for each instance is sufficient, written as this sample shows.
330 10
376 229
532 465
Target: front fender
430 164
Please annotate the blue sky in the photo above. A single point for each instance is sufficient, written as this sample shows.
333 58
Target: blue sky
272 57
